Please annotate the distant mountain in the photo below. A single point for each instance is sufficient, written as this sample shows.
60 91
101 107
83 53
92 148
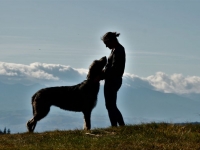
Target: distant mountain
138 104
158 105
16 96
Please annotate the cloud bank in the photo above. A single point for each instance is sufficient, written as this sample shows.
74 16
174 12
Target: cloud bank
175 83
39 73
56 74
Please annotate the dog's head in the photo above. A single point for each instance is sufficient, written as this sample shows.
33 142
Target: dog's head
95 69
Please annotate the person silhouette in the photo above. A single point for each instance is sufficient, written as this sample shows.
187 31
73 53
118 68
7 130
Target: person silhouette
112 74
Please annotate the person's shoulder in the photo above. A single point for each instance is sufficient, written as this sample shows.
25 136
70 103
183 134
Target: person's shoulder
119 50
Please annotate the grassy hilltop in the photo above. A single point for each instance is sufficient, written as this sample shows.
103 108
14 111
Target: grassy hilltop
145 137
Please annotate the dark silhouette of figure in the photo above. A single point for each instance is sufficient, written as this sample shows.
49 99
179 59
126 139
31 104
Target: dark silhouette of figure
112 74
80 98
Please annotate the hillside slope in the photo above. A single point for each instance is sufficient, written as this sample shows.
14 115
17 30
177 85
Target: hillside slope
144 136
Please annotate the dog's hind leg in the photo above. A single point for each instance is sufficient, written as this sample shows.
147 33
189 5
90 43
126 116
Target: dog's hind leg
87 121
32 122
31 125
39 112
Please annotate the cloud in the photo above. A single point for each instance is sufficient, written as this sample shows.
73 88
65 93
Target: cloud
175 83
56 74
39 73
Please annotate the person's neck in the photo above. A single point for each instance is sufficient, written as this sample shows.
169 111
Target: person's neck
115 46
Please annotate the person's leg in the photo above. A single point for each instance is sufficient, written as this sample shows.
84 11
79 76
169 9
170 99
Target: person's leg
110 100
110 92
119 116
120 119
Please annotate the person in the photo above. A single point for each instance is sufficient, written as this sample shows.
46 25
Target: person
112 74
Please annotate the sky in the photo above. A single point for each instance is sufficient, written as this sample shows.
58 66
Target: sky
158 36
53 42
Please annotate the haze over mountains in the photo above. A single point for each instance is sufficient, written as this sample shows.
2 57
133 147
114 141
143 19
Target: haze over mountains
156 98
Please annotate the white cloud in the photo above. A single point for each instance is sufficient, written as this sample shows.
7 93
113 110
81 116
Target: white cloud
39 73
175 83
56 74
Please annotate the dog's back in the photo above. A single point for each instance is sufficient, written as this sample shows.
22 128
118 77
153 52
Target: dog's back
75 98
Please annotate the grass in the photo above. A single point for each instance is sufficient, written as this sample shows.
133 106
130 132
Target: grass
158 136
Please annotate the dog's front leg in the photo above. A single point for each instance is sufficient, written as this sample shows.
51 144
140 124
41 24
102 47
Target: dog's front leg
87 122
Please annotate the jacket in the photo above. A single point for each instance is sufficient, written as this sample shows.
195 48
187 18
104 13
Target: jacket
116 63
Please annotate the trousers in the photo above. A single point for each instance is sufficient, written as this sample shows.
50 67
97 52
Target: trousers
111 88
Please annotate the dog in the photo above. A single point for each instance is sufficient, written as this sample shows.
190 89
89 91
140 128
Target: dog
79 98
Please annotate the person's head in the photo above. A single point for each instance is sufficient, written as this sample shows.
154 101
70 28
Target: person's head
110 39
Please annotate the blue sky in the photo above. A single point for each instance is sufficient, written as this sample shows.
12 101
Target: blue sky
53 42
159 36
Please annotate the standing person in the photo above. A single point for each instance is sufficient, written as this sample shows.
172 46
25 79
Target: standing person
112 74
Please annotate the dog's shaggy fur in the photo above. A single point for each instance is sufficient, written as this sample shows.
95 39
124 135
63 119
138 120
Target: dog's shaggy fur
80 98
